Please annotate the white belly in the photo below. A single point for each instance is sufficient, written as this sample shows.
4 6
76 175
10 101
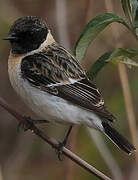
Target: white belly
50 107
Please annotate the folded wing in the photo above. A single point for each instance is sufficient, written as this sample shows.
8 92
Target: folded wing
56 71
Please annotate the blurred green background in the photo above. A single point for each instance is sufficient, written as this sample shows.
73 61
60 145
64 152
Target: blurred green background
25 156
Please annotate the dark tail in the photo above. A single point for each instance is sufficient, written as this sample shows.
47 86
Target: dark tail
118 139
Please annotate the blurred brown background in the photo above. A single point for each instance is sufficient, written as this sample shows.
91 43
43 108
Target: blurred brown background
25 156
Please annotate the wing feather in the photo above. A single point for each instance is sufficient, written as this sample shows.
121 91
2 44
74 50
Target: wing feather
56 71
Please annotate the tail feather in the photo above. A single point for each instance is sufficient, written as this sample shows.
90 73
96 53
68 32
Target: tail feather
118 139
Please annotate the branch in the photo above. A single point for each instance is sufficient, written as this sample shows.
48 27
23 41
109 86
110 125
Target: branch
125 85
54 143
95 136
63 36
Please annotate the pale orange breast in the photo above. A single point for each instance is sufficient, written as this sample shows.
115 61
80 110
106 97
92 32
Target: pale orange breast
14 68
14 61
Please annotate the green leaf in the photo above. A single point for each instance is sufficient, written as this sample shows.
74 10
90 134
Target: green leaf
124 52
98 65
124 60
134 4
123 56
92 29
118 55
130 8
127 7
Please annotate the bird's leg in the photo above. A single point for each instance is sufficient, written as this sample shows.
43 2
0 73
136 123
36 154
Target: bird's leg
30 122
63 143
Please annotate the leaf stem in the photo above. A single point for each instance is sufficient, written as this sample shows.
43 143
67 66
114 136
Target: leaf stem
125 84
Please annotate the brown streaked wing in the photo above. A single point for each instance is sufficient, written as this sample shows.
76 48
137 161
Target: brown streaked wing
55 66
86 95
55 63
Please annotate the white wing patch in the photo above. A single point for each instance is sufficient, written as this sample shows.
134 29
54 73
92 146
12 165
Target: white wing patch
71 81
100 103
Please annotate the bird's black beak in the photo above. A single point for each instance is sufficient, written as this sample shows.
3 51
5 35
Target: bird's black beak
10 37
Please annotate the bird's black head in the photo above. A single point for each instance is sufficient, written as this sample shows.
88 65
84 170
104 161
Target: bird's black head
27 34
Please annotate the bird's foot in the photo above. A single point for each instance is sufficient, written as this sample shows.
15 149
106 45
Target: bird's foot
29 122
62 144
59 150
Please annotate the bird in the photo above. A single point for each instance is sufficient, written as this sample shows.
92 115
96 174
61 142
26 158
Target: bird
53 84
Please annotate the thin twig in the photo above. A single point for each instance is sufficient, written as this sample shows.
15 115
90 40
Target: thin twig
106 155
69 166
125 85
61 19
54 143
97 138
63 36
